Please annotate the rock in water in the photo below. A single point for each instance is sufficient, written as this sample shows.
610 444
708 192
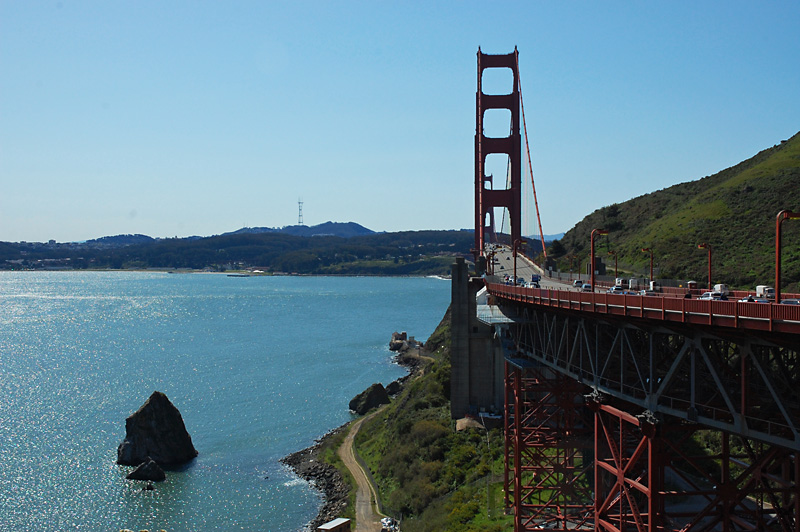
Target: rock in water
370 398
148 470
157 431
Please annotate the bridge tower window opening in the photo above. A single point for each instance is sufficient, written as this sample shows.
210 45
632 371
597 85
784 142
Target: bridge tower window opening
496 123
498 80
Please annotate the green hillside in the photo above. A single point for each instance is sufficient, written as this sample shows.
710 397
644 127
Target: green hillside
734 211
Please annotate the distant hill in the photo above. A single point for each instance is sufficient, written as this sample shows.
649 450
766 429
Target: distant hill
120 240
548 238
402 253
341 229
734 210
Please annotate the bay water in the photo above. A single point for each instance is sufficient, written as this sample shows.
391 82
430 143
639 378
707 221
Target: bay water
259 367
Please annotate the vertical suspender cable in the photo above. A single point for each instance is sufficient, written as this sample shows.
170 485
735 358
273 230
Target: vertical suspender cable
530 166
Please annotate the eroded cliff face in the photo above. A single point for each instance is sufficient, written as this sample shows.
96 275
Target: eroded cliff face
156 431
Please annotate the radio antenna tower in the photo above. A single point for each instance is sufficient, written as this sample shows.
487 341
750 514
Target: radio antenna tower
299 211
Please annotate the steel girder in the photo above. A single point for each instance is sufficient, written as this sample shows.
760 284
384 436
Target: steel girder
548 448
661 381
741 385
652 476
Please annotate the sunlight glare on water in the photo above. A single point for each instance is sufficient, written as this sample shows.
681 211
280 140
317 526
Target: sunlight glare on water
259 367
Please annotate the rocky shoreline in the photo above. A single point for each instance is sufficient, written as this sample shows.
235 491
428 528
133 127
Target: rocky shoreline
324 477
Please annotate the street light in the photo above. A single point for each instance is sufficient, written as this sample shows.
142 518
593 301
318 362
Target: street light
707 246
594 232
615 263
783 215
570 257
518 243
646 250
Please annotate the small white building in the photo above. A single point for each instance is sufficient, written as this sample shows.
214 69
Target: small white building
340 524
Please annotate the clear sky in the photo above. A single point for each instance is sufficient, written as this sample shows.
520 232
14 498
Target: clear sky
178 118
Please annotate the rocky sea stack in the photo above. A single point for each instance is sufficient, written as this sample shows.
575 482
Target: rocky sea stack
156 431
372 397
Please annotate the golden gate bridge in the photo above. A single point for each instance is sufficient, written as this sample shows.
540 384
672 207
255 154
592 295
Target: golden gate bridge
623 412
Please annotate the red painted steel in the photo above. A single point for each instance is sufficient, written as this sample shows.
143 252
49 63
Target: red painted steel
782 215
530 164
770 317
486 199
754 487
548 442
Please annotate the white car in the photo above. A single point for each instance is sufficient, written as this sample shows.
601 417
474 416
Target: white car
715 296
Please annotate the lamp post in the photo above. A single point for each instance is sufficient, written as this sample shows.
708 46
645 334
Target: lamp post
517 244
707 246
616 274
591 239
570 265
783 215
646 250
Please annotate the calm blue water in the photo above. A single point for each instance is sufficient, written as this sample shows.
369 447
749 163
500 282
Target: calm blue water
259 367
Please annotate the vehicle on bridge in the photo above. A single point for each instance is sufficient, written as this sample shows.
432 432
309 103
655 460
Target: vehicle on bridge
751 299
722 289
586 287
765 291
715 296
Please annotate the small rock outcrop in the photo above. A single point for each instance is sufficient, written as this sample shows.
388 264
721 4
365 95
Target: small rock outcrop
370 398
148 470
399 341
394 387
156 431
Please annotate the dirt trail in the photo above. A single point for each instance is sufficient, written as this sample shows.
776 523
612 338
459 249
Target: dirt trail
367 517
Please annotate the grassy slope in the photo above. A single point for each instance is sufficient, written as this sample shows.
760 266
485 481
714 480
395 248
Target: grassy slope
437 479
733 210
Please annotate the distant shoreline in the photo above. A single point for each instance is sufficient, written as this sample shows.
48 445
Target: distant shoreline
244 273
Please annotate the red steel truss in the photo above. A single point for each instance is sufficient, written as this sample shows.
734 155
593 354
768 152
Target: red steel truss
548 448
656 396
651 476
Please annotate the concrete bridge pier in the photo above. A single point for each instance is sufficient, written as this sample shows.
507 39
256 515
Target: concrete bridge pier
476 383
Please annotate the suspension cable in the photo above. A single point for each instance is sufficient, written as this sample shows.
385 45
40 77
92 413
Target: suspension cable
530 166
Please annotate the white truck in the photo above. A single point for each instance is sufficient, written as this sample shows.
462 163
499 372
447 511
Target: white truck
722 289
764 291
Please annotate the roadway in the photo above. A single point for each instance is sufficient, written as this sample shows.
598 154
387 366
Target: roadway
504 265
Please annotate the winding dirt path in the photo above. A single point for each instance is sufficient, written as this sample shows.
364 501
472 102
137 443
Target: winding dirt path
367 517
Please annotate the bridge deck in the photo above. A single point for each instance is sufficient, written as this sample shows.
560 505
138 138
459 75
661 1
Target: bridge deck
767 317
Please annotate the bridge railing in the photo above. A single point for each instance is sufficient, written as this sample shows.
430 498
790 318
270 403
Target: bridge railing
734 314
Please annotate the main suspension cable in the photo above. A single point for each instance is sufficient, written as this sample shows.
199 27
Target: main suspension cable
530 166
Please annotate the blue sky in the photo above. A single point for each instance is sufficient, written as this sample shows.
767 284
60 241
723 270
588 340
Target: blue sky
187 118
